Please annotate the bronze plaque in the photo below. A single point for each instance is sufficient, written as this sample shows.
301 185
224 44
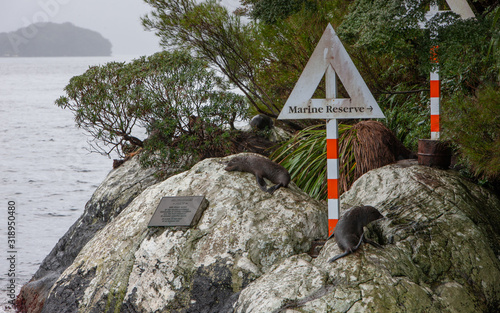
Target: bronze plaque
179 211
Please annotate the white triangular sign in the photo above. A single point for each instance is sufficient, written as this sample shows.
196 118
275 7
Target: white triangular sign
461 7
330 53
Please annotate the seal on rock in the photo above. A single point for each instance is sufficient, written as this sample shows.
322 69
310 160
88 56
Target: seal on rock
261 122
262 168
349 232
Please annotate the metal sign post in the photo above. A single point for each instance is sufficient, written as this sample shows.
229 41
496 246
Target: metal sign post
330 59
332 155
434 84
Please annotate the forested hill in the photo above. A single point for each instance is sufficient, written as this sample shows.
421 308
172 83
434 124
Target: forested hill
53 40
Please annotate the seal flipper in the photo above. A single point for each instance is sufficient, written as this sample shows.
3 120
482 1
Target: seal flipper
373 243
339 256
361 239
274 188
348 251
261 182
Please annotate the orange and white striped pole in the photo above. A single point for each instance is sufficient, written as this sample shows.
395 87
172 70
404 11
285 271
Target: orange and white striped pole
434 79
435 95
462 8
332 155
332 167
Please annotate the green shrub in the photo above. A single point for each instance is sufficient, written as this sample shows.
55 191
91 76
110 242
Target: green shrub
304 156
473 125
106 101
408 116
185 108
190 112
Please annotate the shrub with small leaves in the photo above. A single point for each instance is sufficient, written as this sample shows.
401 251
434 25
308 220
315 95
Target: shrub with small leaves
184 107
473 125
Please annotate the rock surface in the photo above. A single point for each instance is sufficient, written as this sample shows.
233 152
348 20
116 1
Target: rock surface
119 188
441 239
128 267
442 246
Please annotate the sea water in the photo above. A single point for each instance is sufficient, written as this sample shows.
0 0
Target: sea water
47 171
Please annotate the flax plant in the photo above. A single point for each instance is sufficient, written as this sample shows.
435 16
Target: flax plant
304 155
364 146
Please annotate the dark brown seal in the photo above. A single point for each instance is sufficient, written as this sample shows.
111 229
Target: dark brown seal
261 122
262 168
349 230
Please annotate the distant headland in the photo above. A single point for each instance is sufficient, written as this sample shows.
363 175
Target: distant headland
53 40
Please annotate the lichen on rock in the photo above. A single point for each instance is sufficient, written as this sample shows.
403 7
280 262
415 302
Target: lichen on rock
441 239
242 234
119 188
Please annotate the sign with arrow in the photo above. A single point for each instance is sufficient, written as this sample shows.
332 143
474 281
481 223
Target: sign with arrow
461 7
330 59
330 56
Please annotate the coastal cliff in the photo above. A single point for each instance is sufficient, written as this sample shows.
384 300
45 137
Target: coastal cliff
53 40
441 239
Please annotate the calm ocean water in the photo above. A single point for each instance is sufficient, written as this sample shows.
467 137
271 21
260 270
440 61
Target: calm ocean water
45 166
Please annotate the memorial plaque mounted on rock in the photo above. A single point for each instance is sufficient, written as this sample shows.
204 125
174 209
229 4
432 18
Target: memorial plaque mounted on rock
179 211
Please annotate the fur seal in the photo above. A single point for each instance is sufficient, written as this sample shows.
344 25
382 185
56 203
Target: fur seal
262 168
349 232
261 122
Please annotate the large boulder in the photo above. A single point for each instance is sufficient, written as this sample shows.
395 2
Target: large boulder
119 188
128 267
441 239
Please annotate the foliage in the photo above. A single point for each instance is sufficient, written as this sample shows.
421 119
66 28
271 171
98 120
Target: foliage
262 60
362 147
183 105
271 11
407 114
494 50
106 102
190 113
466 63
219 37
392 54
386 43
473 125
286 61
265 56
304 155
386 40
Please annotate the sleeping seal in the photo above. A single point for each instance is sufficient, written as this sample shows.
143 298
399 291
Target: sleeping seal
262 168
349 230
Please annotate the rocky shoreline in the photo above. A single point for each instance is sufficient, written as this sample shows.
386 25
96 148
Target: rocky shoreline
441 239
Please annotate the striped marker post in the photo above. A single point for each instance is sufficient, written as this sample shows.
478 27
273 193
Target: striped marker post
435 94
434 79
332 155
332 166
462 8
